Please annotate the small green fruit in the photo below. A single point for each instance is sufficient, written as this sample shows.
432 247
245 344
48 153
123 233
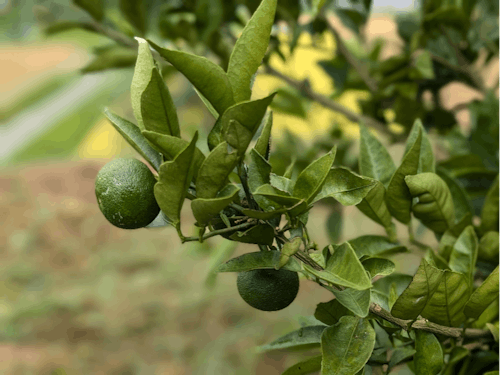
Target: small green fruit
125 192
268 289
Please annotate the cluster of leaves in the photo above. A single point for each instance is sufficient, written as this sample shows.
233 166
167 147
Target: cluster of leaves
444 319
247 206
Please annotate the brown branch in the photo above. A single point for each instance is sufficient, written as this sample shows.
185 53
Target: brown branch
351 59
326 102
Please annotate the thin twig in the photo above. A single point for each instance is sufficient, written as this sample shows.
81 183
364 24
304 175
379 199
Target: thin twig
219 231
326 102
351 59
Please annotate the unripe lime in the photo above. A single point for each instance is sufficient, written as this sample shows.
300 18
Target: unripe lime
125 192
268 289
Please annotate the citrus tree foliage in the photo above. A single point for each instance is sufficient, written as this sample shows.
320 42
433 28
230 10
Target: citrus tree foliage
443 319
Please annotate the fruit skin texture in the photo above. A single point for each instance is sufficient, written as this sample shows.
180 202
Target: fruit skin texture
125 193
268 289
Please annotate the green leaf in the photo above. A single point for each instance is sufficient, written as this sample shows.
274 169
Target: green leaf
334 225
263 144
206 76
458 194
374 160
282 183
464 254
488 247
357 301
312 178
378 266
288 250
220 253
170 147
347 346
447 303
173 182
345 186
93 7
261 215
399 355
158 111
429 358
62 26
482 296
435 205
277 196
426 162
135 13
214 171
250 49
489 213
257 260
111 58
260 234
206 209
330 312
398 197
494 329
419 293
343 268
423 68
307 366
375 245
305 336
373 205
239 123
142 77
133 136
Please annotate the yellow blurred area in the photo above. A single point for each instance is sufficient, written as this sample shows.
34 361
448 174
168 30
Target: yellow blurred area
102 142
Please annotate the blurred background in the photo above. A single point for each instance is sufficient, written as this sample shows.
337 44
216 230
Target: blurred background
79 296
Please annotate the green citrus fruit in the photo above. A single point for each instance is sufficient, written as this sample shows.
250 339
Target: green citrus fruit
268 289
125 192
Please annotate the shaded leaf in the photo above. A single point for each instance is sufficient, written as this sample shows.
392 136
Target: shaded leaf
261 215
259 172
378 266
277 196
220 254
173 182
206 76
250 49
260 234
429 358
305 336
62 26
206 209
399 355
214 171
94 7
464 253
346 346
345 186
398 197
374 160
311 179
435 205
257 260
494 329
343 268
334 225
488 247
111 58
419 293
447 303
489 213
305 367
482 296
426 159
170 147
135 13
458 194
262 146
330 312
239 123
357 301
158 111
373 205
375 245
133 136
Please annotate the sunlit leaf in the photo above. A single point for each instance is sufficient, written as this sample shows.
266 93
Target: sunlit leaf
373 246
482 296
464 253
307 366
429 358
378 266
357 301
